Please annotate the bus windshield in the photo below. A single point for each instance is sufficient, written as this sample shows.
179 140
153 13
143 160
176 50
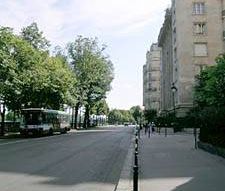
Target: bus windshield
32 118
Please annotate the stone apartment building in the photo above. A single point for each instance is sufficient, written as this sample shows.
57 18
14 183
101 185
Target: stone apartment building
151 79
191 37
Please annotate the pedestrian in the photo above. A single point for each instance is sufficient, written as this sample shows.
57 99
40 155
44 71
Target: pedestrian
146 128
153 127
149 129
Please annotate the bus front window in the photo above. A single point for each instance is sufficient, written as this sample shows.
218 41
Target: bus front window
33 118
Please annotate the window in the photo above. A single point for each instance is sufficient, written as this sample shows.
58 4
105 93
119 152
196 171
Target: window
198 8
223 13
200 49
199 28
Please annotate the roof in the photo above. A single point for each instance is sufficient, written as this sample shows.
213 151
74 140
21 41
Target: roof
46 110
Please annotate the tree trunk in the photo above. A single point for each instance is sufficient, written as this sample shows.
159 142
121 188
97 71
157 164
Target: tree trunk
96 120
86 117
3 121
14 117
72 118
85 121
76 115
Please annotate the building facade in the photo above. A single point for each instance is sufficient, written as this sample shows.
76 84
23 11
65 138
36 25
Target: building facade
151 79
191 37
166 64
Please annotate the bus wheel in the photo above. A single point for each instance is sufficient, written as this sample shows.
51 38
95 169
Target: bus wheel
50 132
63 131
40 132
24 134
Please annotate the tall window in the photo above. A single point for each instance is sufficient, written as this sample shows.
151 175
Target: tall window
200 49
198 8
199 28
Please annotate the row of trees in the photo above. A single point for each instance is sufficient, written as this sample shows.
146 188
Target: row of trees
117 116
134 115
78 75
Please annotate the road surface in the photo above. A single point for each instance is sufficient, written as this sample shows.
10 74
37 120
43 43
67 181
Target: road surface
80 161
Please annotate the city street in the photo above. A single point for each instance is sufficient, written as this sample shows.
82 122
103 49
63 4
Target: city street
82 160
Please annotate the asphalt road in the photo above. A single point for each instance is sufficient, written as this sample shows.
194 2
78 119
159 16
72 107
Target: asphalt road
84 160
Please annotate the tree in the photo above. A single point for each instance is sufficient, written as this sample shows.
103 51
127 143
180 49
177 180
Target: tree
117 116
100 108
7 69
51 84
150 115
210 90
29 77
35 37
94 73
209 94
137 113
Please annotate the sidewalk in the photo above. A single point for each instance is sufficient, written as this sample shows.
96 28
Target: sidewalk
172 164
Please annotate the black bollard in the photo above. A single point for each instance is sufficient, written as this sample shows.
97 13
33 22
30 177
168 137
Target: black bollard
135 178
136 158
136 143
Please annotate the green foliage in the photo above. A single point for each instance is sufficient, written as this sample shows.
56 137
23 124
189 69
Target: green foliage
94 71
120 116
137 113
100 108
209 97
150 115
35 37
210 89
30 77
212 126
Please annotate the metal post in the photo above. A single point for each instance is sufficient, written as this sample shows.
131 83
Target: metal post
174 108
174 89
80 119
166 131
135 178
195 135
136 158
135 167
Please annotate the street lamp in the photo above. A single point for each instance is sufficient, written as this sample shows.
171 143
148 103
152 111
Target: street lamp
174 89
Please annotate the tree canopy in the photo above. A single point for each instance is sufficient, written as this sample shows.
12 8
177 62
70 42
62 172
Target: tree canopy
78 75
208 112
35 37
118 116
94 71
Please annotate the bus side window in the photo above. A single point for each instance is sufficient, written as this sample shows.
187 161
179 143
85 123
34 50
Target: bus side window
44 120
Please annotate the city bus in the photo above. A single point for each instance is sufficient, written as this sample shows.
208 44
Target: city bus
40 121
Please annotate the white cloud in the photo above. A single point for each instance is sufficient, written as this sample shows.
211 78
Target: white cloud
62 19
117 16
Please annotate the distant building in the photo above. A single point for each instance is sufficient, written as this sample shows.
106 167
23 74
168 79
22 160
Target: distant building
191 37
151 79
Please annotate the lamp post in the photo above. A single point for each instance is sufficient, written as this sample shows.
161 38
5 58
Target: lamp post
174 89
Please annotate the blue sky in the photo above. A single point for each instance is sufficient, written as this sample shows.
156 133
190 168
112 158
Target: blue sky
128 27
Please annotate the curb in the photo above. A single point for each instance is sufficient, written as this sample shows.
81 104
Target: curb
212 149
125 181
